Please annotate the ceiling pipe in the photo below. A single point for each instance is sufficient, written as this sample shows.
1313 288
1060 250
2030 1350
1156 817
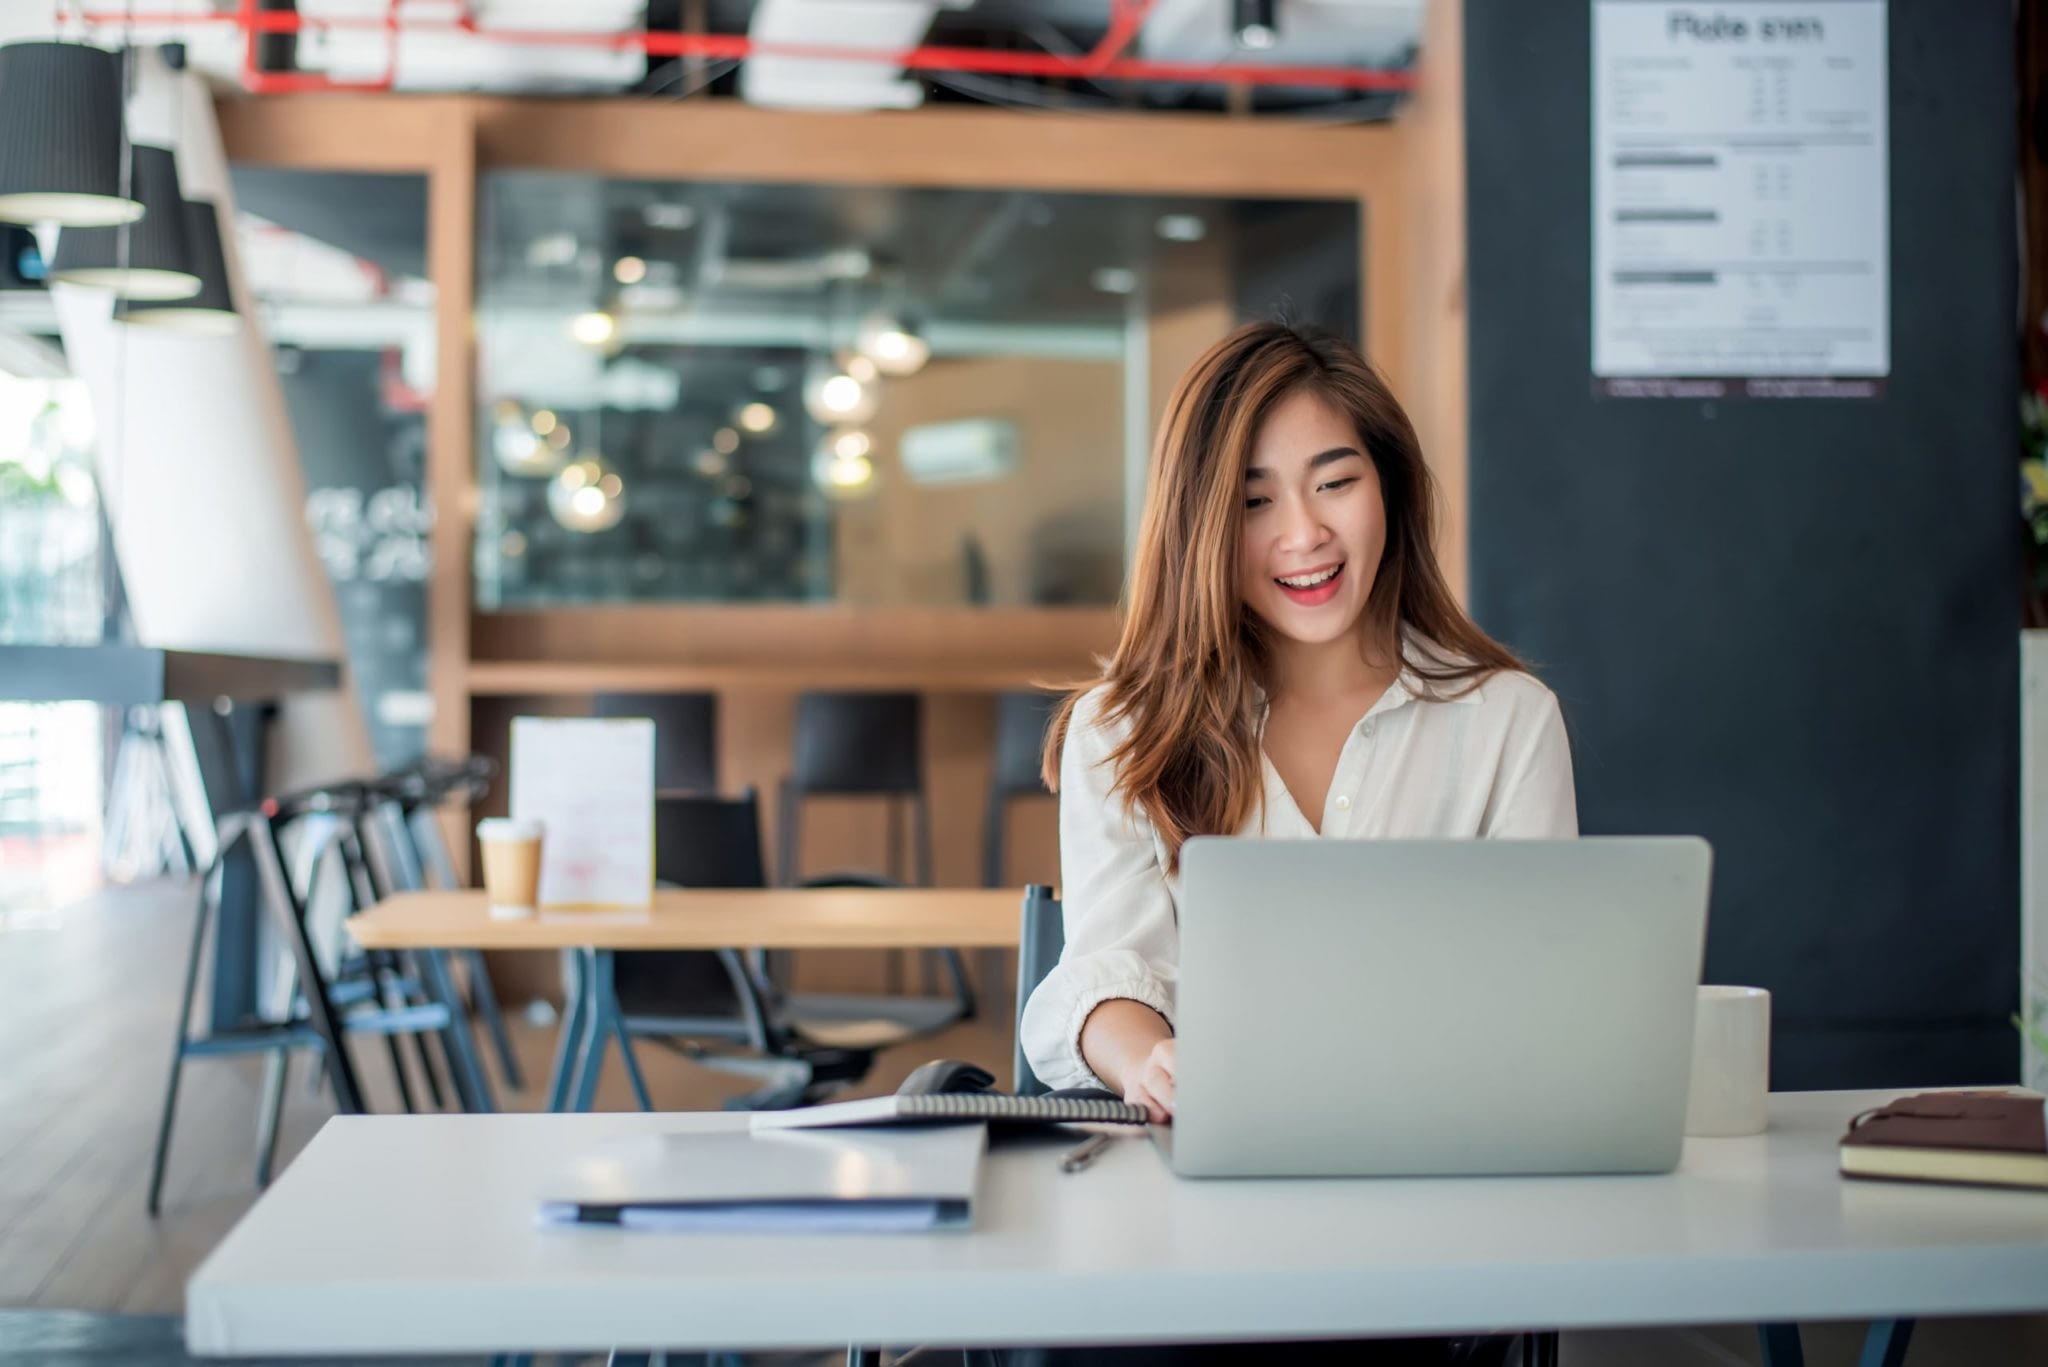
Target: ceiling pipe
256 23
1104 62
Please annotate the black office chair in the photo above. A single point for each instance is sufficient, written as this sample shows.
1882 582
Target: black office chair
685 999
1021 722
421 790
859 745
312 1019
867 745
1040 941
685 735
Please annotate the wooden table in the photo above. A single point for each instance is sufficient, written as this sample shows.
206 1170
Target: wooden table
685 918
708 918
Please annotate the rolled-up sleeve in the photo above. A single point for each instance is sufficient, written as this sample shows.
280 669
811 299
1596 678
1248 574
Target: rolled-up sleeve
1122 938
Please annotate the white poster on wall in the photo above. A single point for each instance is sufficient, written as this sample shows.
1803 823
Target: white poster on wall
1741 211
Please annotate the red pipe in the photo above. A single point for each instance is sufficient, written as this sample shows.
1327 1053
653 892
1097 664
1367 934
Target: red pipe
1125 19
259 82
1103 63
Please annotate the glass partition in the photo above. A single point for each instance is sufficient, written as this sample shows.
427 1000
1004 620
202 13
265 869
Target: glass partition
336 262
856 395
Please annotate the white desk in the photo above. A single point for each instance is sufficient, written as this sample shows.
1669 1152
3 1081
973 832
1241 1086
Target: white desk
414 1234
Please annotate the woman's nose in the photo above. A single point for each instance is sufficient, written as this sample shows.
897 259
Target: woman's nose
1303 530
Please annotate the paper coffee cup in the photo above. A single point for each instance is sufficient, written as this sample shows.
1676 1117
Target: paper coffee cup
511 865
1731 1063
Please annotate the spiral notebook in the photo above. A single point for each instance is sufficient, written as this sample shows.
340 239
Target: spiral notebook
942 1107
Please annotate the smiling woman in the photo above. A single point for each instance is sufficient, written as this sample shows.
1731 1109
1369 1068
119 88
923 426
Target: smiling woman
1291 663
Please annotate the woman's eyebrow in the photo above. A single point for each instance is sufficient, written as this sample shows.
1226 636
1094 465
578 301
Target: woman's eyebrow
1315 462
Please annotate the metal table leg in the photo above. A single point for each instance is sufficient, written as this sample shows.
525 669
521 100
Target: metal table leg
602 1023
471 1085
1884 1344
569 1041
597 1028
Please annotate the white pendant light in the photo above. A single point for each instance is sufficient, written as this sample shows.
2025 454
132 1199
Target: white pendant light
587 496
834 398
894 345
520 444
843 466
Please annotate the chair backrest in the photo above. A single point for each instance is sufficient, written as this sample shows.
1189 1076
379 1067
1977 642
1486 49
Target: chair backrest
858 743
1041 938
700 841
705 841
685 735
1021 720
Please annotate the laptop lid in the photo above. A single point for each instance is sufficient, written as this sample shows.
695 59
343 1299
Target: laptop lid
1366 1008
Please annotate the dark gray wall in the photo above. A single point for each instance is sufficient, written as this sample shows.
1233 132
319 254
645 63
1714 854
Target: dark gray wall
363 467
1786 625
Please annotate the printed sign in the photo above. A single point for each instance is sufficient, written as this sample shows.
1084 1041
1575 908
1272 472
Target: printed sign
1741 212
590 783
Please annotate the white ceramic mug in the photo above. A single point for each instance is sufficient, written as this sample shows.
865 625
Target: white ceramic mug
1731 1063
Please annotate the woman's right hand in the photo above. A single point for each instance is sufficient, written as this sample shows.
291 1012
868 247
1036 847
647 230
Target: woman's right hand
1151 1085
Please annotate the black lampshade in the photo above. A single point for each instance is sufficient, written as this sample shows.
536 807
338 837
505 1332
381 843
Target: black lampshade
156 265
212 309
60 136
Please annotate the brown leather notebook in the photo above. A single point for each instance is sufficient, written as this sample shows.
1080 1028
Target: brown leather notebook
1990 1138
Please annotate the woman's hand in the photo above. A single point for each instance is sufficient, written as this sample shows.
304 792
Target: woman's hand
1151 1085
1130 1047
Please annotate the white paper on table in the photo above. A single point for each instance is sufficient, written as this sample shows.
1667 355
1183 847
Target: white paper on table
590 783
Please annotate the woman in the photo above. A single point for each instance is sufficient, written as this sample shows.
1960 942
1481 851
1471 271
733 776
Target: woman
1291 664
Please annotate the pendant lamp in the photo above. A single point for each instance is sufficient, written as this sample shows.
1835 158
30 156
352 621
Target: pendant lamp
153 263
212 309
60 136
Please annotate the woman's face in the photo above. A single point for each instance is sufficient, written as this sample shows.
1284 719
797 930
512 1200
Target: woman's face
1314 525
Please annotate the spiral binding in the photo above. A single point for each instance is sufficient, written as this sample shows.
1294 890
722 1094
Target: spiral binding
990 1106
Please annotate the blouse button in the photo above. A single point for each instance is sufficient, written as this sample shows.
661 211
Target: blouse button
1366 730
1343 803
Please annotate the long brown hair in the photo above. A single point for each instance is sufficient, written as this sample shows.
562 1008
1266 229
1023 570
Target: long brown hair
1191 661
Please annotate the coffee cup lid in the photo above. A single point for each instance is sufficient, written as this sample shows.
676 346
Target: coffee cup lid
508 828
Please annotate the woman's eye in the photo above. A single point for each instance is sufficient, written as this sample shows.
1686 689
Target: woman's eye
1344 483
1257 501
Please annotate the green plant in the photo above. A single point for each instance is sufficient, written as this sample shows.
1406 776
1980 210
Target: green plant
2034 504
2032 1017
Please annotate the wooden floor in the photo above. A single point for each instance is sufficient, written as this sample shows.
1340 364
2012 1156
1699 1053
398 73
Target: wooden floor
87 996
86 999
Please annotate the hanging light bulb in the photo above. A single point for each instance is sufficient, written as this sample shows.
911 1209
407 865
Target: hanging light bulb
834 398
60 136
893 344
587 496
594 329
154 261
843 465
518 445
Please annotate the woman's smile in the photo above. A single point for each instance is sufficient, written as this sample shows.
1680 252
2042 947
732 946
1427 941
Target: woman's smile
1312 588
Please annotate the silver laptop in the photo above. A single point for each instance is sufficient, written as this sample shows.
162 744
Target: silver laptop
1435 1007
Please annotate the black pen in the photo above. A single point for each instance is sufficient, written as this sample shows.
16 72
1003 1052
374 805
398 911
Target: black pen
1082 1154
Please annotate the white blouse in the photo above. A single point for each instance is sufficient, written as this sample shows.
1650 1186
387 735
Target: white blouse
1492 762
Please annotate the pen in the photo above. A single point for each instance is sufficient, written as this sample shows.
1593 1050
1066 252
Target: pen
1084 1153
